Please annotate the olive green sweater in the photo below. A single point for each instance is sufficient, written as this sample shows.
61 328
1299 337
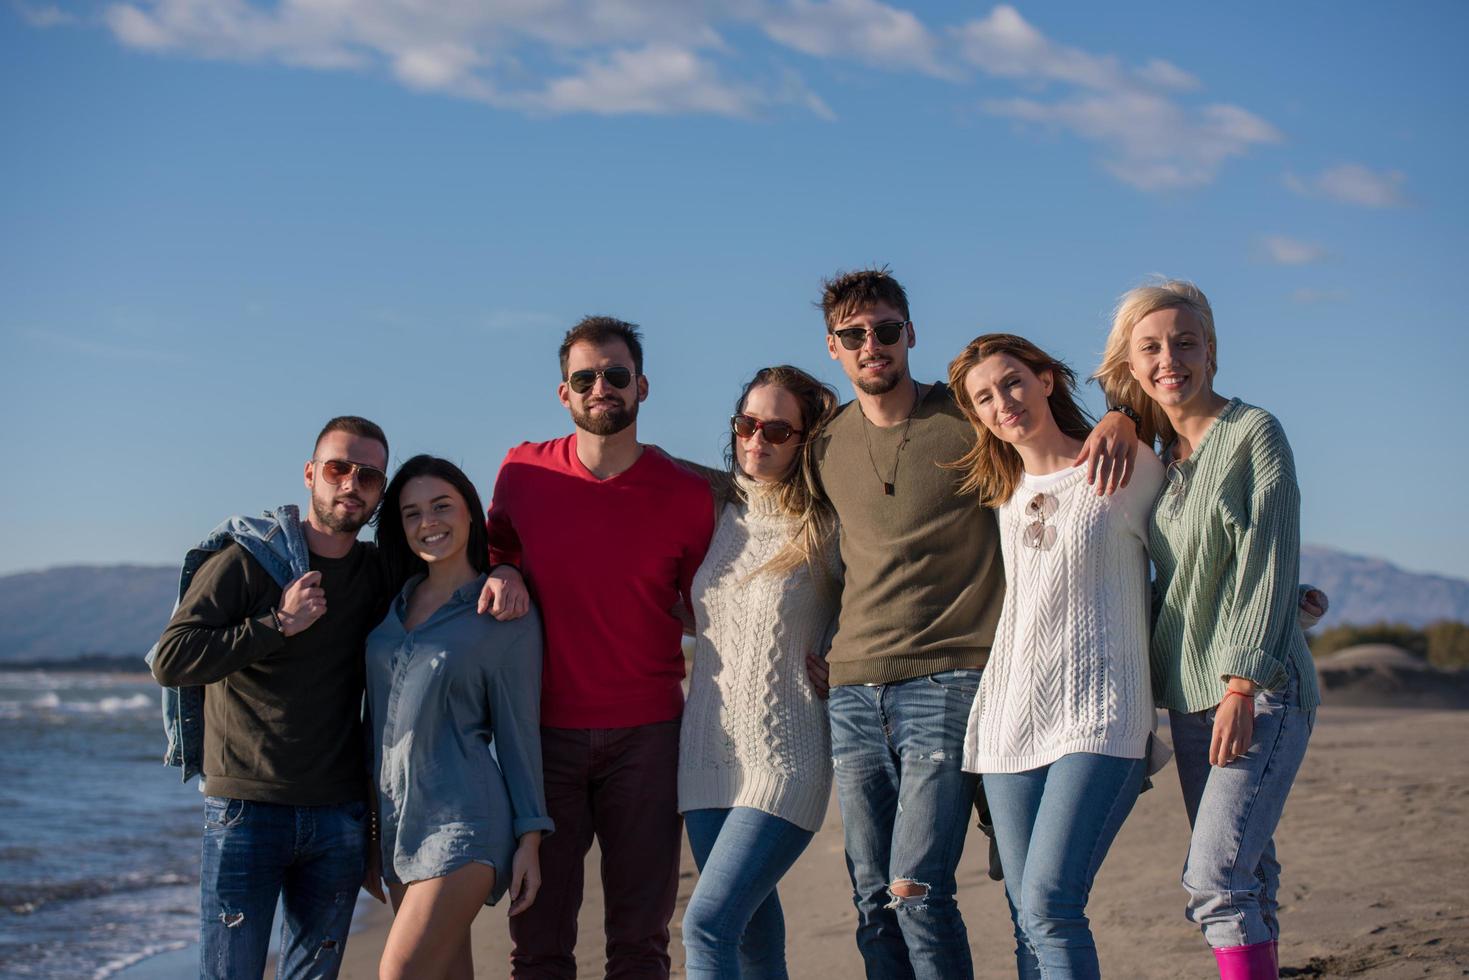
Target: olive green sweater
924 578
1226 542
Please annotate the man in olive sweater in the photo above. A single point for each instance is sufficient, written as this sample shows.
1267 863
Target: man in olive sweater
923 589
278 652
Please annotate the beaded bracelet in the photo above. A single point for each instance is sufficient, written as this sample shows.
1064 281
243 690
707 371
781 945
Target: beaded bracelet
1137 420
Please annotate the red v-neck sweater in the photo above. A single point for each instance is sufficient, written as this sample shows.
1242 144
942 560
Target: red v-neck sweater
606 561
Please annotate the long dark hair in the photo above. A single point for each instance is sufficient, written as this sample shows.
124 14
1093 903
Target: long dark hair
799 494
993 466
391 540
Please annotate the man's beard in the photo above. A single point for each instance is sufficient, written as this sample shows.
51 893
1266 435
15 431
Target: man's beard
607 422
880 385
327 517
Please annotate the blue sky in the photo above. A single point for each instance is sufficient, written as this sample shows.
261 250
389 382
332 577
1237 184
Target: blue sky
222 222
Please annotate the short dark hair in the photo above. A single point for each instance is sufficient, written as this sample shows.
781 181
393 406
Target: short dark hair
849 292
391 540
357 426
599 330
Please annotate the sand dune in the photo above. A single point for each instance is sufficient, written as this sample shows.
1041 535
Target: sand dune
1378 675
1373 843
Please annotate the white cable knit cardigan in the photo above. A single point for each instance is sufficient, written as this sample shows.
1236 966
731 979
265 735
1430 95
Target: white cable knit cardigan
1069 668
754 732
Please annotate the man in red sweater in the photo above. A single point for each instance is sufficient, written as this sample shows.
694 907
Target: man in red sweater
608 533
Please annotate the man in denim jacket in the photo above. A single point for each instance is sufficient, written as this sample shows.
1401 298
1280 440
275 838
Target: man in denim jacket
263 660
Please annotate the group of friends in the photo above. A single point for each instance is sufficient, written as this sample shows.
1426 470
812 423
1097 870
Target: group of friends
947 598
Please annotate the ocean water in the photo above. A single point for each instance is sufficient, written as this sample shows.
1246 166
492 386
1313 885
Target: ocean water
99 841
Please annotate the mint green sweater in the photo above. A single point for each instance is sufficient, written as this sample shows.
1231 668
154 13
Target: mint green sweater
1226 542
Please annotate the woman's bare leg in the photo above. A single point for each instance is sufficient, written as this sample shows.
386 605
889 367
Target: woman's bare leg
430 934
462 967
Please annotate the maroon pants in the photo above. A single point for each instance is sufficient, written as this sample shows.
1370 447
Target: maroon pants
621 785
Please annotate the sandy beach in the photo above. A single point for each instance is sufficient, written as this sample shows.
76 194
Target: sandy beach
1373 843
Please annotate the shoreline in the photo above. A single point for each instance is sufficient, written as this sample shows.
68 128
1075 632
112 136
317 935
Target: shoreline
1372 845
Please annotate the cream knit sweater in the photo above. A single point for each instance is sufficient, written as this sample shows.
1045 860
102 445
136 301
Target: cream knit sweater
754 732
1069 668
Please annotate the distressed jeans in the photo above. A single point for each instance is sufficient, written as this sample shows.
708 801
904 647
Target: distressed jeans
1053 826
1231 875
897 751
733 928
309 858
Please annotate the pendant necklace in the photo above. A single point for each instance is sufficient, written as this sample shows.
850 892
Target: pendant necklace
889 484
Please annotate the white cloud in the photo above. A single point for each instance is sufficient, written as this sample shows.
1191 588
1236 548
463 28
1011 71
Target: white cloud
1352 183
439 66
1005 44
1165 74
1150 139
1284 250
654 79
672 56
629 55
864 30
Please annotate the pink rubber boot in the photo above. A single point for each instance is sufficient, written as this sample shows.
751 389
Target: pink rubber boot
1253 962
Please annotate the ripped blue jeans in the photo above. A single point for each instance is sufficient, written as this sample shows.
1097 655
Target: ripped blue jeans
897 751
310 858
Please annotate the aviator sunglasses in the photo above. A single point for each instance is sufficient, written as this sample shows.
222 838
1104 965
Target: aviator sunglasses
776 432
369 478
887 334
1038 534
581 381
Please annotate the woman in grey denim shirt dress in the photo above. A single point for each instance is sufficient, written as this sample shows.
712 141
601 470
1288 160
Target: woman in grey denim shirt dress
456 826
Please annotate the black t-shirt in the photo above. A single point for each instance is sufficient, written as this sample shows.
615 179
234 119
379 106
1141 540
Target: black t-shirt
282 715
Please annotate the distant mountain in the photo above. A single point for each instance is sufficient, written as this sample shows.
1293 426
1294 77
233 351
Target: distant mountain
1369 590
120 609
80 609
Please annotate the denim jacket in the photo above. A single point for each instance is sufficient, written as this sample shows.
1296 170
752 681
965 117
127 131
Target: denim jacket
276 541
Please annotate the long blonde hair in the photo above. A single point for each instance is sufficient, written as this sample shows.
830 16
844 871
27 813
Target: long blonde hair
993 467
1113 374
799 494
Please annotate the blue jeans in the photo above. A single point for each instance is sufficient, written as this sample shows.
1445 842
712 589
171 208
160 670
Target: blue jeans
311 858
1053 826
1231 874
897 751
733 927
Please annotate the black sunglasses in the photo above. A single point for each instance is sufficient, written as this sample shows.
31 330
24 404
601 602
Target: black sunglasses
581 381
776 432
887 334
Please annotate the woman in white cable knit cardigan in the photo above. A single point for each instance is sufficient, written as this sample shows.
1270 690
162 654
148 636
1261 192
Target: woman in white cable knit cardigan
754 771
1060 728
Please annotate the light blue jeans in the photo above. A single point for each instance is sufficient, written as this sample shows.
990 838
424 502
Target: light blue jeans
1053 826
1231 874
311 858
733 928
897 751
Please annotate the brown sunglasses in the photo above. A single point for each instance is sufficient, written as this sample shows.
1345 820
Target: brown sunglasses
369 478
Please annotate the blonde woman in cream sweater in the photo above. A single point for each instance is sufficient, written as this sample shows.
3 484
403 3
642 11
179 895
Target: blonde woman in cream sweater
1060 728
754 757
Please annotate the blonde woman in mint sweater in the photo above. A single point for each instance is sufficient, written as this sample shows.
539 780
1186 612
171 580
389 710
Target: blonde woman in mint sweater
1229 658
1060 728
754 766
